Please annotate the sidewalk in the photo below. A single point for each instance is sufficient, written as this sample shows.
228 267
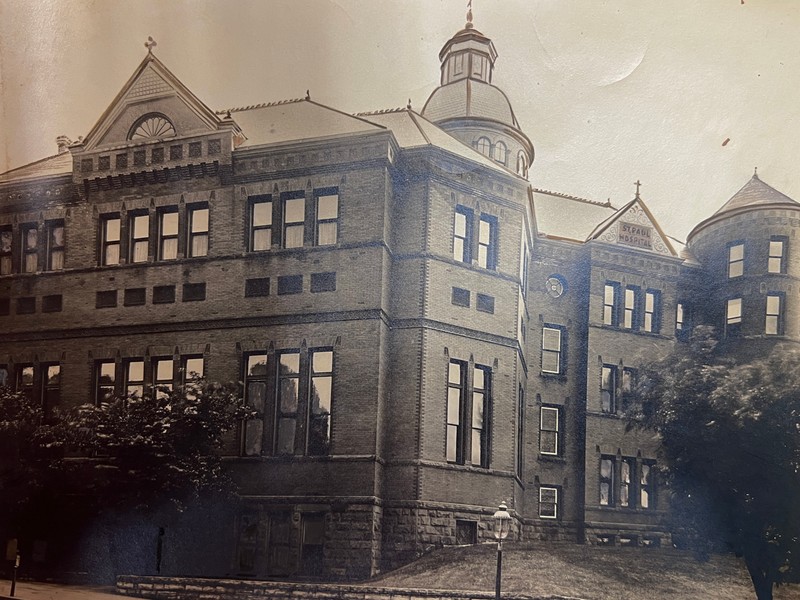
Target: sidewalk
29 590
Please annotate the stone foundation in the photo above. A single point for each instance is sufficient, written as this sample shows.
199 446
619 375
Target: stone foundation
183 588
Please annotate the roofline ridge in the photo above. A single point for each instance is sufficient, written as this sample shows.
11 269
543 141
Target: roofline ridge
260 105
35 162
606 204
381 111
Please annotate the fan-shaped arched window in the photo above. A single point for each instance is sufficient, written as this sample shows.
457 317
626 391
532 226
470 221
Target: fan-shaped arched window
153 125
522 164
500 152
484 146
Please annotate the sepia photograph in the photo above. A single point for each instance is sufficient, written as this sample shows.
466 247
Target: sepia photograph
399 299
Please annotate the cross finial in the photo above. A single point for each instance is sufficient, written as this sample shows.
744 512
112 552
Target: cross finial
150 44
638 184
469 14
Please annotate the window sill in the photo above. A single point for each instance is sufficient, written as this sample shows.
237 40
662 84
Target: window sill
552 458
553 376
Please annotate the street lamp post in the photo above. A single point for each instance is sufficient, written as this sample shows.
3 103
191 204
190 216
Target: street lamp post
502 522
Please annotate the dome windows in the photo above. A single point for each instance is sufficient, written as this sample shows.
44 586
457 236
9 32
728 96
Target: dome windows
522 164
484 146
500 152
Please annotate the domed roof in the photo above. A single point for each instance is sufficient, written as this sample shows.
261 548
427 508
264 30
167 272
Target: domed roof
469 98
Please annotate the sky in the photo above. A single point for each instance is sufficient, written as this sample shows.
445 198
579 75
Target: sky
685 96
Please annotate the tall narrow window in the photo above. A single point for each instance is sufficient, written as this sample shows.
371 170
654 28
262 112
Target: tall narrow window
487 242
481 378
6 246
652 311
198 231
134 378
260 223
168 235
611 294
733 316
736 260
109 251
520 431
163 376
288 401
680 318
628 381
456 388
608 389
55 245
462 239
774 314
484 146
327 230
51 387
522 164
321 393
25 379
627 469
500 153
551 350
255 387
192 371
30 248
105 380
548 502
777 255
294 222
630 313
549 430
606 481
646 478
139 233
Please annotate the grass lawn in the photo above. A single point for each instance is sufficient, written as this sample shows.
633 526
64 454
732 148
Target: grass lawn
587 572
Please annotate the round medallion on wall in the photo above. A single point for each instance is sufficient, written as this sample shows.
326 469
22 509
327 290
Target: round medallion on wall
556 286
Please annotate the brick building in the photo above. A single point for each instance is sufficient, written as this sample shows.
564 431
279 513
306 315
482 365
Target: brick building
423 333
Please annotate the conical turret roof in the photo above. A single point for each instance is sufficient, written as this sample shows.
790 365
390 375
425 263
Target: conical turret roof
755 193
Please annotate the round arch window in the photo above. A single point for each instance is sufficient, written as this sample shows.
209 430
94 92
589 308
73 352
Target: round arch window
500 151
152 126
484 146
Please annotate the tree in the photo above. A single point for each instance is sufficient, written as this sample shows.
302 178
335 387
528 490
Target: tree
114 466
730 438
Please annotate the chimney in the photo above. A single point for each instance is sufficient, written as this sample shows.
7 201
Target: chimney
63 143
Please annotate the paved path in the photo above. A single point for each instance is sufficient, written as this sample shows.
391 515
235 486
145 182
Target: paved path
27 590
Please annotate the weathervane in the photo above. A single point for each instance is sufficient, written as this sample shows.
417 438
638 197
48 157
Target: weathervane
469 14
150 44
638 185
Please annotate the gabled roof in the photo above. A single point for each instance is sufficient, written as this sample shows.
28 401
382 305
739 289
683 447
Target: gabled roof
634 225
150 80
60 164
754 193
568 217
295 120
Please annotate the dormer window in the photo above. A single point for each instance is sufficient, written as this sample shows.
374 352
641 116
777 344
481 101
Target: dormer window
152 126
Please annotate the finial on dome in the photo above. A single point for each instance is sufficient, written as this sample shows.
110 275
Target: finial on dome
638 184
150 44
469 24
755 173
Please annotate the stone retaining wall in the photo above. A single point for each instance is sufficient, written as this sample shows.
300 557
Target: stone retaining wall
185 588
